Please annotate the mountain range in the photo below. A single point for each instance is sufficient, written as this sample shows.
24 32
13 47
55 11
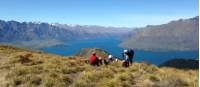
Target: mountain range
11 31
36 33
176 35
181 35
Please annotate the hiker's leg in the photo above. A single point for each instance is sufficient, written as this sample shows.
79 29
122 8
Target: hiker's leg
100 62
123 64
106 62
131 60
128 63
97 63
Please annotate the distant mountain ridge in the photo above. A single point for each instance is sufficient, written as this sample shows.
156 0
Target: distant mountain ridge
179 35
36 35
25 31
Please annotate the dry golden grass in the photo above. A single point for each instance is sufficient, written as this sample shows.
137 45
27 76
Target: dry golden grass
23 68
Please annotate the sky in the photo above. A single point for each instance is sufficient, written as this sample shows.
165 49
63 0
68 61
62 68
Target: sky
117 13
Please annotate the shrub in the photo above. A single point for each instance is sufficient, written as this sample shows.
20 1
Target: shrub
67 80
48 82
35 80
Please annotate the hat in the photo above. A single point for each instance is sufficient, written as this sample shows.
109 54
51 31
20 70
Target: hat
125 51
110 56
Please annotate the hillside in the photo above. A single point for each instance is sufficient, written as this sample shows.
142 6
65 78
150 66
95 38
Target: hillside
25 68
178 35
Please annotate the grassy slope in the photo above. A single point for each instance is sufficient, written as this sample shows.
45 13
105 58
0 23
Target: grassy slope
23 68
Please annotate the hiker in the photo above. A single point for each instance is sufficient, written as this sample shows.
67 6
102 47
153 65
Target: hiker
105 61
131 55
100 60
110 58
93 60
125 59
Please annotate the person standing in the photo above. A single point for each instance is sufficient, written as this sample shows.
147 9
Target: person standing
131 54
125 58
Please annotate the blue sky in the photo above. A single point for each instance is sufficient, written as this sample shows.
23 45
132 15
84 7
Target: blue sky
120 13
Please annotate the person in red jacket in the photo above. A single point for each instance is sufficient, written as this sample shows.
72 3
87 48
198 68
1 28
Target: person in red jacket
93 59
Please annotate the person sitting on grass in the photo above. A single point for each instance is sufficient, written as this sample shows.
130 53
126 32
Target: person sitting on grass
93 60
100 61
110 58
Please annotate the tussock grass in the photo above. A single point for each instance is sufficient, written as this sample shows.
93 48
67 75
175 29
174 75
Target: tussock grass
35 69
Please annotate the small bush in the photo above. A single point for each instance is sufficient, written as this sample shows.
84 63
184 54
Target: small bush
49 82
35 80
69 70
20 80
154 78
83 83
19 71
67 80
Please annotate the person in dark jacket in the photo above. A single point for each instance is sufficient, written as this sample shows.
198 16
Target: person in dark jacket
128 55
131 55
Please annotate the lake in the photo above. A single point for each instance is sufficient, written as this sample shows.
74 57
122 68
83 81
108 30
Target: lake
111 46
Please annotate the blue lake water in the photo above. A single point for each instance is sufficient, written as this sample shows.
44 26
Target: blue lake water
111 46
